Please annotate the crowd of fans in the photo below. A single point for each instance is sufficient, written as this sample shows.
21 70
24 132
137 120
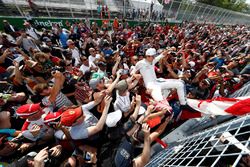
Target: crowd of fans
86 95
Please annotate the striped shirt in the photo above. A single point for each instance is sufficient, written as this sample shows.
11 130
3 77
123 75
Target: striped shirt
61 100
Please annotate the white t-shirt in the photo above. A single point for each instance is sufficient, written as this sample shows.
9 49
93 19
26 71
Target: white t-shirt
27 126
122 102
97 41
147 70
92 59
80 131
32 33
76 56
84 68
27 43
132 68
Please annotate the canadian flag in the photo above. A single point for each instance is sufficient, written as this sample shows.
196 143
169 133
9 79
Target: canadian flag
222 106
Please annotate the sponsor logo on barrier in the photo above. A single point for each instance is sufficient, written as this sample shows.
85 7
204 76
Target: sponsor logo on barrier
48 23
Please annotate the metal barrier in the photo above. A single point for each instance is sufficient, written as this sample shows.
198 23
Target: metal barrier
181 10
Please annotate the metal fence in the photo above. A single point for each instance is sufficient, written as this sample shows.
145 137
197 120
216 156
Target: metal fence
175 10
223 145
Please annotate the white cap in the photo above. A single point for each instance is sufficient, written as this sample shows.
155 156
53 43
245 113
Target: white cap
151 52
192 63
113 118
141 110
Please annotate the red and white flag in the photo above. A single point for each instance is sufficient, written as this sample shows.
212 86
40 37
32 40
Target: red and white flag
222 106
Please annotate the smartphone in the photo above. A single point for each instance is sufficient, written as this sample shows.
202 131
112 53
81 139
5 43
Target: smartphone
19 59
12 49
87 156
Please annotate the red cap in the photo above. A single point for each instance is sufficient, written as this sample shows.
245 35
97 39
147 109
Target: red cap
212 75
69 116
27 110
52 117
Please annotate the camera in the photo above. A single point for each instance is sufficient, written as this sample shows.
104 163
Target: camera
57 68
222 69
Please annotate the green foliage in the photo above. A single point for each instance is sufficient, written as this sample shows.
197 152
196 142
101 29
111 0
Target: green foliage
236 5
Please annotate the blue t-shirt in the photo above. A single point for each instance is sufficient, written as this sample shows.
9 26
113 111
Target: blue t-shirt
219 61
108 52
63 39
10 132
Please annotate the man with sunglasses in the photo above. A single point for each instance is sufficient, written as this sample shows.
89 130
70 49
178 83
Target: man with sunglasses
93 57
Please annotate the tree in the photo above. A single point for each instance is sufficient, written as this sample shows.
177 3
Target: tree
236 5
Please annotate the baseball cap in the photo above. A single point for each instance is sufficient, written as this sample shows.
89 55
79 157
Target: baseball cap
141 110
28 109
46 39
93 82
95 79
191 63
101 63
212 75
69 116
11 71
208 81
52 117
151 52
113 118
97 75
31 63
122 86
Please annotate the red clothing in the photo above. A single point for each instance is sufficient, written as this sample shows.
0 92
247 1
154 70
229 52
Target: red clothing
2 70
55 60
116 24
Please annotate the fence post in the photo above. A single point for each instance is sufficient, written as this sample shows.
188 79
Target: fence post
45 4
20 11
185 11
72 15
227 17
222 19
170 8
213 18
222 16
197 13
218 15
177 12
191 13
124 12
204 12
208 14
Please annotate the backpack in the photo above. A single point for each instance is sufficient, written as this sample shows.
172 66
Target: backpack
107 154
